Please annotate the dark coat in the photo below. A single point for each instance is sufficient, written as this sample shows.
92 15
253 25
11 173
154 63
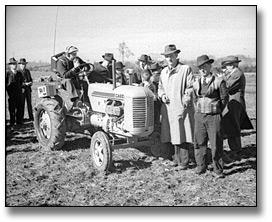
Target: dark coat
26 79
14 83
235 117
64 68
104 71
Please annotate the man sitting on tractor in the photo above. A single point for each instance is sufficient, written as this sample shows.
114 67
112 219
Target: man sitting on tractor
69 78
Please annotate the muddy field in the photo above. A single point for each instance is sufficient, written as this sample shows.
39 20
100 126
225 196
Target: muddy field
36 177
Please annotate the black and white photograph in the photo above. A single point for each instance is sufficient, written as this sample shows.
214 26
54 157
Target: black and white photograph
130 105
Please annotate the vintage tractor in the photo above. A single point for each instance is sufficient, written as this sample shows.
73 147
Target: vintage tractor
119 117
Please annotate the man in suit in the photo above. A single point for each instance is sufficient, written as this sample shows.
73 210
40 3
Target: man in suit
27 83
14 81
144 63
234 115
104 68
210 97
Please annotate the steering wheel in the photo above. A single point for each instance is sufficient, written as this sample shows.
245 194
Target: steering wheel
83 72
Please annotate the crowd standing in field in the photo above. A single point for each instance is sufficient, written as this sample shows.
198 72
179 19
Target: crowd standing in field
188 111
18 86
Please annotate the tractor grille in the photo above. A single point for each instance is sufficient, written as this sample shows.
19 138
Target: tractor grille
143 112
139 112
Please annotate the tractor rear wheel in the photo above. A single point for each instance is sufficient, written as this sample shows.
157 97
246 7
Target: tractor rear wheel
49 124
101 151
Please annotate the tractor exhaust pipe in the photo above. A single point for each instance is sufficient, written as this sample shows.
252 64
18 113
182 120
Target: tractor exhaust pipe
113 75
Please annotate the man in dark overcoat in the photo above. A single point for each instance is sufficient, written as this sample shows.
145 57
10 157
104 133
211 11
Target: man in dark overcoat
27 83
14 82
234 115
104 68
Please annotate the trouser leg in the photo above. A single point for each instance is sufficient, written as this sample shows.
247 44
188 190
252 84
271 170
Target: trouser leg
71 89
23 104
214 129
181 156
235 145
201 138
157 113
11 107
29 105
85 88
19 109
184 154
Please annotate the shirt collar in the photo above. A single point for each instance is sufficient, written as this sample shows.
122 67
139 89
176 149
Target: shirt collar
208 79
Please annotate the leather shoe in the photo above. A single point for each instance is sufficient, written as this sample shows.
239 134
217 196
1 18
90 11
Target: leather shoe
218 175
200 170
183 167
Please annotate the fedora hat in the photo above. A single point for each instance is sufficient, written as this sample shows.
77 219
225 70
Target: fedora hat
201 60
223 64
22 61
12 61
230 60
169 49
109 57
119 65
144 58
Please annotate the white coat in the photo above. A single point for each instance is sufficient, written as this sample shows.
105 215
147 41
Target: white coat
177 124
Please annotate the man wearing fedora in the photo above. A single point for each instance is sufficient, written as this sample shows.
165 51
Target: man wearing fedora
69 78
14 81
234 115
210 98
27 83
120 76
104 68
155 69
177 123
144 63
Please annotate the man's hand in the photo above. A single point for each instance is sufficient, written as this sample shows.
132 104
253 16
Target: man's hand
76 69
165 99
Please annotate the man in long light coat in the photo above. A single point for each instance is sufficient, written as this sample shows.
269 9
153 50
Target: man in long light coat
175 91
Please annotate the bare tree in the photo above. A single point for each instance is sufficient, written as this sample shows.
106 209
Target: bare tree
124 51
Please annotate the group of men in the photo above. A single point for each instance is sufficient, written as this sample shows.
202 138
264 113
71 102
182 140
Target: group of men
18 86
197 110
189 110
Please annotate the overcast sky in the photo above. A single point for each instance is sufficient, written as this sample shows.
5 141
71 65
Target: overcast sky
95 30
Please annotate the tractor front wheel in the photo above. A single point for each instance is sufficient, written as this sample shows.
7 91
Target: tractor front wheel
101 151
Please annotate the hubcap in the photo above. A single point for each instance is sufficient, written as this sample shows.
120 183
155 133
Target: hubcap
45 124
98 153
